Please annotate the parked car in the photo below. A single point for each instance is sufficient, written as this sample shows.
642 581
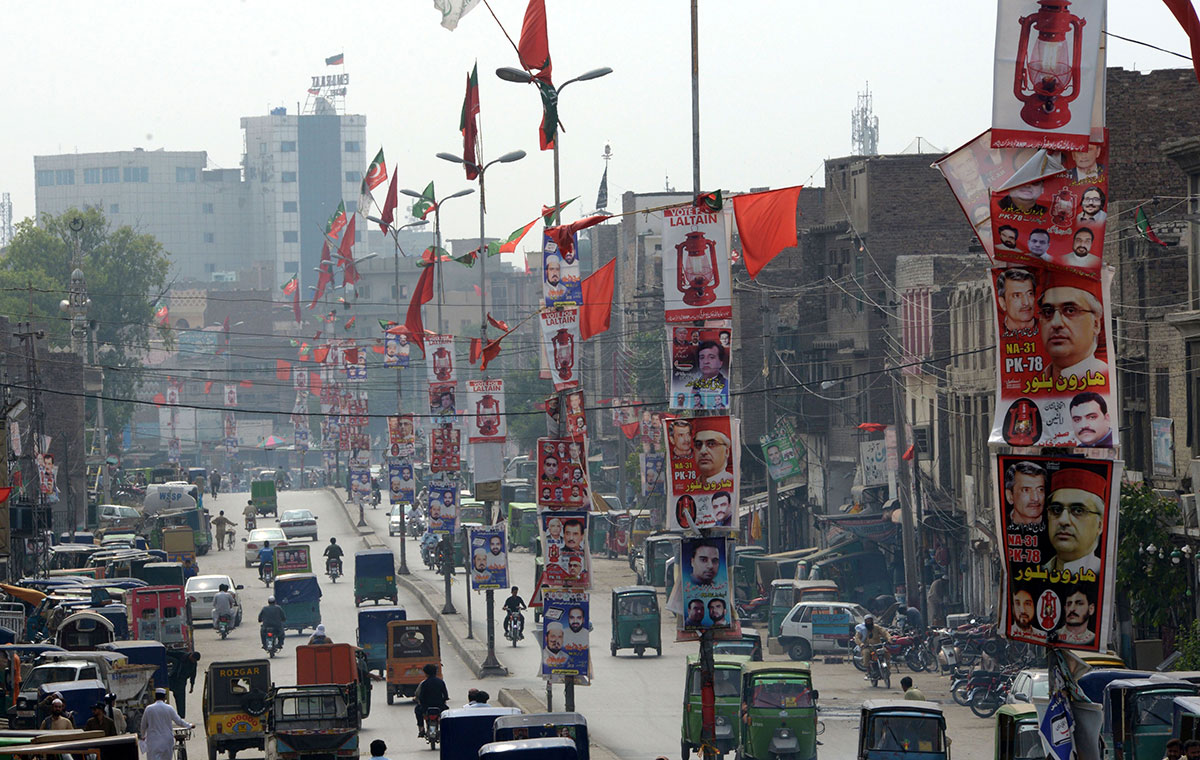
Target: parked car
819 627
1027 685
255 540
298 523
117 516
201 589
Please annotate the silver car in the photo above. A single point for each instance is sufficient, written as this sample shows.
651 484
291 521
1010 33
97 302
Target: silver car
298 523
1028 684
255 541
201 589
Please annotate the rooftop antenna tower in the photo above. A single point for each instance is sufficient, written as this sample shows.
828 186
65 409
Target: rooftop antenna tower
864 126
6 228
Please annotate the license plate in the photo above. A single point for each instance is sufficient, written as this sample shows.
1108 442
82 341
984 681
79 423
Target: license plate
639 638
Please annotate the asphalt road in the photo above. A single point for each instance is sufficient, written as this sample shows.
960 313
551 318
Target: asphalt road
633 706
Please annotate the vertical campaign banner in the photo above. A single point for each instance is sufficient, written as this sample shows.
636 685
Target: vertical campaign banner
486 422
443 404
360 480
553 415
445 449
1046 73
231 394
971 172
651 431
706 591
565 550
576 416
560 337
1060 537
561 281
300 437
782 455
1055 382
695 259
356 370
401 483
702 468
402 439
565 632
1162 432
488 550
701 361
443 507
395 350
654 482
562 474
439 362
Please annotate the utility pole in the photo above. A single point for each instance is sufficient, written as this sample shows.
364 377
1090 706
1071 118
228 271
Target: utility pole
912 578
768 341
42 523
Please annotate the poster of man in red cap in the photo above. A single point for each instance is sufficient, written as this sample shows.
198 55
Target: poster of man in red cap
1054 343
1059 518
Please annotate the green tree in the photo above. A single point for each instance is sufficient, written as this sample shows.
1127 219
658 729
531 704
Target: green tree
1149 580
525 392
125 273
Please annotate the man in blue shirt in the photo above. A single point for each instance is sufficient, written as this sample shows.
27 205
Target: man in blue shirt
266 559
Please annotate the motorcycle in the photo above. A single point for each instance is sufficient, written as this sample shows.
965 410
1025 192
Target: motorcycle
333 567
274 644
224 625
266 574
917 654
512 629
251 523
878 668
755 610
989 690
429 554
376 497
433 726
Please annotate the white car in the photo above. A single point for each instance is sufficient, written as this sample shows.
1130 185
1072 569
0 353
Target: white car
201 589
1028 685
298 523
255 540
819 627
396 521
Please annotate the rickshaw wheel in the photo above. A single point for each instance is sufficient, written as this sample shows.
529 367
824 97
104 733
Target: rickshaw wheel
614 650
391 697
685 750
212 752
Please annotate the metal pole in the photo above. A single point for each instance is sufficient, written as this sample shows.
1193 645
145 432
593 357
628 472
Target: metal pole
708 700
773 516
491 666
448 541
557 214
470 620
911 579
403 569
695 99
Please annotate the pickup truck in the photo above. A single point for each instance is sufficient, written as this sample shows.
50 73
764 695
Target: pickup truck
23 714
131 683
318 722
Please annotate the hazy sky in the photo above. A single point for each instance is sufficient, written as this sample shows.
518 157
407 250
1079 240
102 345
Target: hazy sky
779 79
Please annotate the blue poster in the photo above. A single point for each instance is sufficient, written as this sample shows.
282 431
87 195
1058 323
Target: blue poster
561 282
488 549
567 624
1056 728
443 507
705 595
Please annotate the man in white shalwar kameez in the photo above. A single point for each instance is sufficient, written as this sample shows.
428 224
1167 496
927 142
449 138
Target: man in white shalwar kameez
157 733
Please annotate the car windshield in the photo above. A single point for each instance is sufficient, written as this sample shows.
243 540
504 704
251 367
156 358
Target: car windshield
211 583
45 675
781 692
266 534
906 733
297 514
396 511
1041 686
726 682
1155 708
312 707
642 604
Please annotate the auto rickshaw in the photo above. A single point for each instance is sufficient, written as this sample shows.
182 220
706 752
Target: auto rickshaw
651 564
544 727
787 593
262 495
412 644
522 525
1185 718
161 613
84 631
162 574
640 526
749 645
235 702
530 749
472 512
1017 735
464 730
727 683
636 620
374 576
598 528
299 595
902 729
778 711
372 634
1137 716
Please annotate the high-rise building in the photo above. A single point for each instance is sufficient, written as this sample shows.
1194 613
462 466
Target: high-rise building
6 228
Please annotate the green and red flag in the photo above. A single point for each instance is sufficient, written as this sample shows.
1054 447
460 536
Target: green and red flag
324 274
163 315
534 51
711 201
550 214
336 222
376 172
350 322
1142 222
292 288
469 125
509 244
427 257
389 205
468 259
426 203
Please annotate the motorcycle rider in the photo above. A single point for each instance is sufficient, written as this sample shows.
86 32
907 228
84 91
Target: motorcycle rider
222 605
266 560
271 618
867 636
333 552
513 605
250 514
431 694
429 543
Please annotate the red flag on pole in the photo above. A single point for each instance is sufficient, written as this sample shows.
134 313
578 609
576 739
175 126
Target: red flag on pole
476 349
1185 14
596 313
469 125
422 295
325 275
389 205
766 223
208 386
499 324
346 254
534 47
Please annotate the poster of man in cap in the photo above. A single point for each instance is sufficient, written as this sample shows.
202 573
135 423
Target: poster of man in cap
565 550
395 350
443 507
488 548
565 630
401 484
1058 585
702 462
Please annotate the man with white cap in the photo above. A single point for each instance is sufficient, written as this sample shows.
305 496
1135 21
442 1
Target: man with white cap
156 731
319 637
57 720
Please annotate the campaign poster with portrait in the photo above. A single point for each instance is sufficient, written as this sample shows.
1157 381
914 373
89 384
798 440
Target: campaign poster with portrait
553 415
231 394
1060 519
488 549
562 475
443 403
439 358
300 437
1162 438
445 449
706 593
654 480
395 350
561 345
443 507
972 171
702 472
566 626
360 481
695 264
561 282
356 371
568 562
1054 349
401 483
486 422
701 363
1046 73
576 416
781 454
651 431
1057 221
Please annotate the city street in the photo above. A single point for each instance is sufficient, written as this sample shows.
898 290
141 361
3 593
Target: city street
634 705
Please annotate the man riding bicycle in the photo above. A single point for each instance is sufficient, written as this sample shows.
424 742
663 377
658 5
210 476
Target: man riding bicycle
867 636
513 606
333 553
266 560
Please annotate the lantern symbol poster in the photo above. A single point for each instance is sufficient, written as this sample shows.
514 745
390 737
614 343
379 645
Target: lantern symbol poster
696 283
439 352
485 411
560 337
1046 73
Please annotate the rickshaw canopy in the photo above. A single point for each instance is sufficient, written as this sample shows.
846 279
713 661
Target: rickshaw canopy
377 561
297 587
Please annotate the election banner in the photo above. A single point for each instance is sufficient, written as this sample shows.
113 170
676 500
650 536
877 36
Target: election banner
443 403
360 481
707 596
402 438
702 469
356 371
487 548
782 454
300 437
560 336
443 507
395 351
561 281
651 431
486 422
567 624
445 449
971 172
565 550
562 476
1059 518
576 416
1045 73
401 484
553 415
1054 351
1162 440
440 364
231 394
700 367
695 265
654 482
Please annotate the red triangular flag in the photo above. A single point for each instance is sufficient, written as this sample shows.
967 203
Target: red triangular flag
469 125
325 275
351 356
350 322
596 313
490 351
564 234
422 295
534 47
476 349
389 204
159 399
631 429
346 254
497 323
766 223
208 386
314 383
908 453
319 354
283 370
872 427
1185 14
378 349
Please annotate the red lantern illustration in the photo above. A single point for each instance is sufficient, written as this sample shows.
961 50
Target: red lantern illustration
1062 208
487 415
441 363
1020 428
696 260
564 352
1047 72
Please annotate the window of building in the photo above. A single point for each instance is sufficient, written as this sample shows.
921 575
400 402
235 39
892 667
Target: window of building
1162 392
136 174
351 207
45 178
290 207
207 208
355 177
291 267
185 174
64 177
209 237
114 208
287 176
287 146
353 146
91 176
291 236
110 174
364 291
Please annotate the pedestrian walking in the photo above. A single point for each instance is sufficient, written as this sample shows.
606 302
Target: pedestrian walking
156 732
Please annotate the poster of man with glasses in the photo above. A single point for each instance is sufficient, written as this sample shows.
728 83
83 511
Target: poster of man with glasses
1058 580
1055 382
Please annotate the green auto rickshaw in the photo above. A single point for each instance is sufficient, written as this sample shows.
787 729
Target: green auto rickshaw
299 595
1137 716
262 495
522 525
727 682
1017 736
375 576
636 620
902 729
1185 718
779 711
651 564
598 528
